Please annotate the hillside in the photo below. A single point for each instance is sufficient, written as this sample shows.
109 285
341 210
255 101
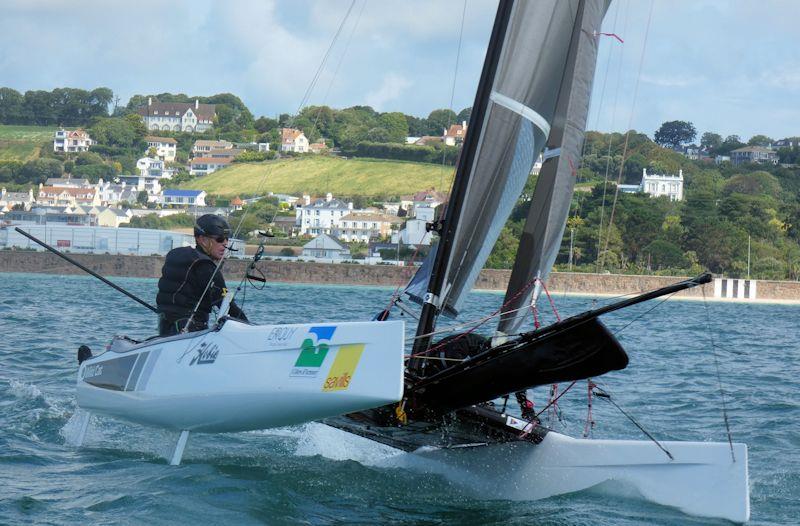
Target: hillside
319 175
22 143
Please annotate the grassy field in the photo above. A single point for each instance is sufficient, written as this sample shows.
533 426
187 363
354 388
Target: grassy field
319 175
22 143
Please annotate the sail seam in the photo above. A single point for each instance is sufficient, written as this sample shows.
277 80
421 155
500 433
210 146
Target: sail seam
522 110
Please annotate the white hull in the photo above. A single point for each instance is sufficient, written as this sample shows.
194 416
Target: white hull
244 377
702 480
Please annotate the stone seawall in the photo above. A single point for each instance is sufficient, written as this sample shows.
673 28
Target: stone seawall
382 275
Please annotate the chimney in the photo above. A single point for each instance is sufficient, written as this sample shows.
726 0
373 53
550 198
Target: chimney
196 103
149 101
306 199
350 206
328 197
2 192
464 124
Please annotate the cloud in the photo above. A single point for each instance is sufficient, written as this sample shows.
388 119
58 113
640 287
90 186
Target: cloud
673 81
392 87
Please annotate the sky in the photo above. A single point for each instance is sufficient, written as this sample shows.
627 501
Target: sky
727 66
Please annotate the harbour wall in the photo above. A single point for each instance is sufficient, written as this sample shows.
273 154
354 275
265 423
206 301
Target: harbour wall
376 275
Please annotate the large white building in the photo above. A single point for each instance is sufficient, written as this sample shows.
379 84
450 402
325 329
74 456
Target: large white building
177 116
321 216
658 185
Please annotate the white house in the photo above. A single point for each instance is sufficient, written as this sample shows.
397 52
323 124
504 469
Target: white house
207 165
172 196
364 226
658 185
325 247
177 116
58 196
9 200
149 183
112 193
71 141
166 147
321 216
293 141
454 135
153 167
201 147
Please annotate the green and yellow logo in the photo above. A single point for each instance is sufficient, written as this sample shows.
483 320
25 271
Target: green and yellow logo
313 356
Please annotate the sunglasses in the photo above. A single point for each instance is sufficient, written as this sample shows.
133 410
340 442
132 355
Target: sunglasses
219 239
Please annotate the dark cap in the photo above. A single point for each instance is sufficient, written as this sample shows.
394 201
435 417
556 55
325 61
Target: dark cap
212 225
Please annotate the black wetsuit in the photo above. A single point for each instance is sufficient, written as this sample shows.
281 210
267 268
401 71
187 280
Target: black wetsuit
186 272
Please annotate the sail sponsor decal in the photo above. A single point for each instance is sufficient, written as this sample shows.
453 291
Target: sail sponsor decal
343 368
205 354
313 356
516 423
280 336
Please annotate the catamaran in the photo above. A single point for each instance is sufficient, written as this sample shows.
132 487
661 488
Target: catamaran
447 399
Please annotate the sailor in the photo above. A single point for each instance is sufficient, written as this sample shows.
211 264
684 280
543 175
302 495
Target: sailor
186 274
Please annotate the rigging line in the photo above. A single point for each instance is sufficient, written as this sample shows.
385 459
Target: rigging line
266 172
554 400
719 376
610 141
645 313
628 133
605 80
603 394
453 89
321 66
339 64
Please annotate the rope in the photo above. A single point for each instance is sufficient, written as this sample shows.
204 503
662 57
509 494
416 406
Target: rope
719 376
627 135
602 394
589 426
453 89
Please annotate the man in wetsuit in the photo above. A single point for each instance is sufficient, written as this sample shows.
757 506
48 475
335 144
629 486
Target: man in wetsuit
187 272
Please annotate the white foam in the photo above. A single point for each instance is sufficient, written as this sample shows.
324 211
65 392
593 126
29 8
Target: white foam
23 390
319 439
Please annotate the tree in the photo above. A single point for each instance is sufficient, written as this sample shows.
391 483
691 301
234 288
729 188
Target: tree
440 120
12 107
710 141
673 134
141 198
38 171
395 125
464 115
760 140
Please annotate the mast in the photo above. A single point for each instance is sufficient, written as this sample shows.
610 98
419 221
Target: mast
432 306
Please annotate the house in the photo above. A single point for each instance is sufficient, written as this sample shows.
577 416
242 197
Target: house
207 165
237 203
293 140
427 140
153 167
318 147
753 154
9 200
113 194
454 135
202 147
791 142
57 196
364 226
252 146
325 247
175 197
103 215
165 147
321 216
71 141
285 224
50 216
658 185
226 153
67 182
148 183
719 159
177 116
429 198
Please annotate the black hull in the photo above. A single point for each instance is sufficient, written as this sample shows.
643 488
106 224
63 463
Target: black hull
570 350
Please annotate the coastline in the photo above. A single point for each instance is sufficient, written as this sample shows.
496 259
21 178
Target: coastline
489 280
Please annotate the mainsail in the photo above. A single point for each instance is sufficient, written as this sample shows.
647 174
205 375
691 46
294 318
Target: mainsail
537 80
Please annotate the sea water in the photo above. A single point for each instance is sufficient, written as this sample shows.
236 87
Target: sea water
312 474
